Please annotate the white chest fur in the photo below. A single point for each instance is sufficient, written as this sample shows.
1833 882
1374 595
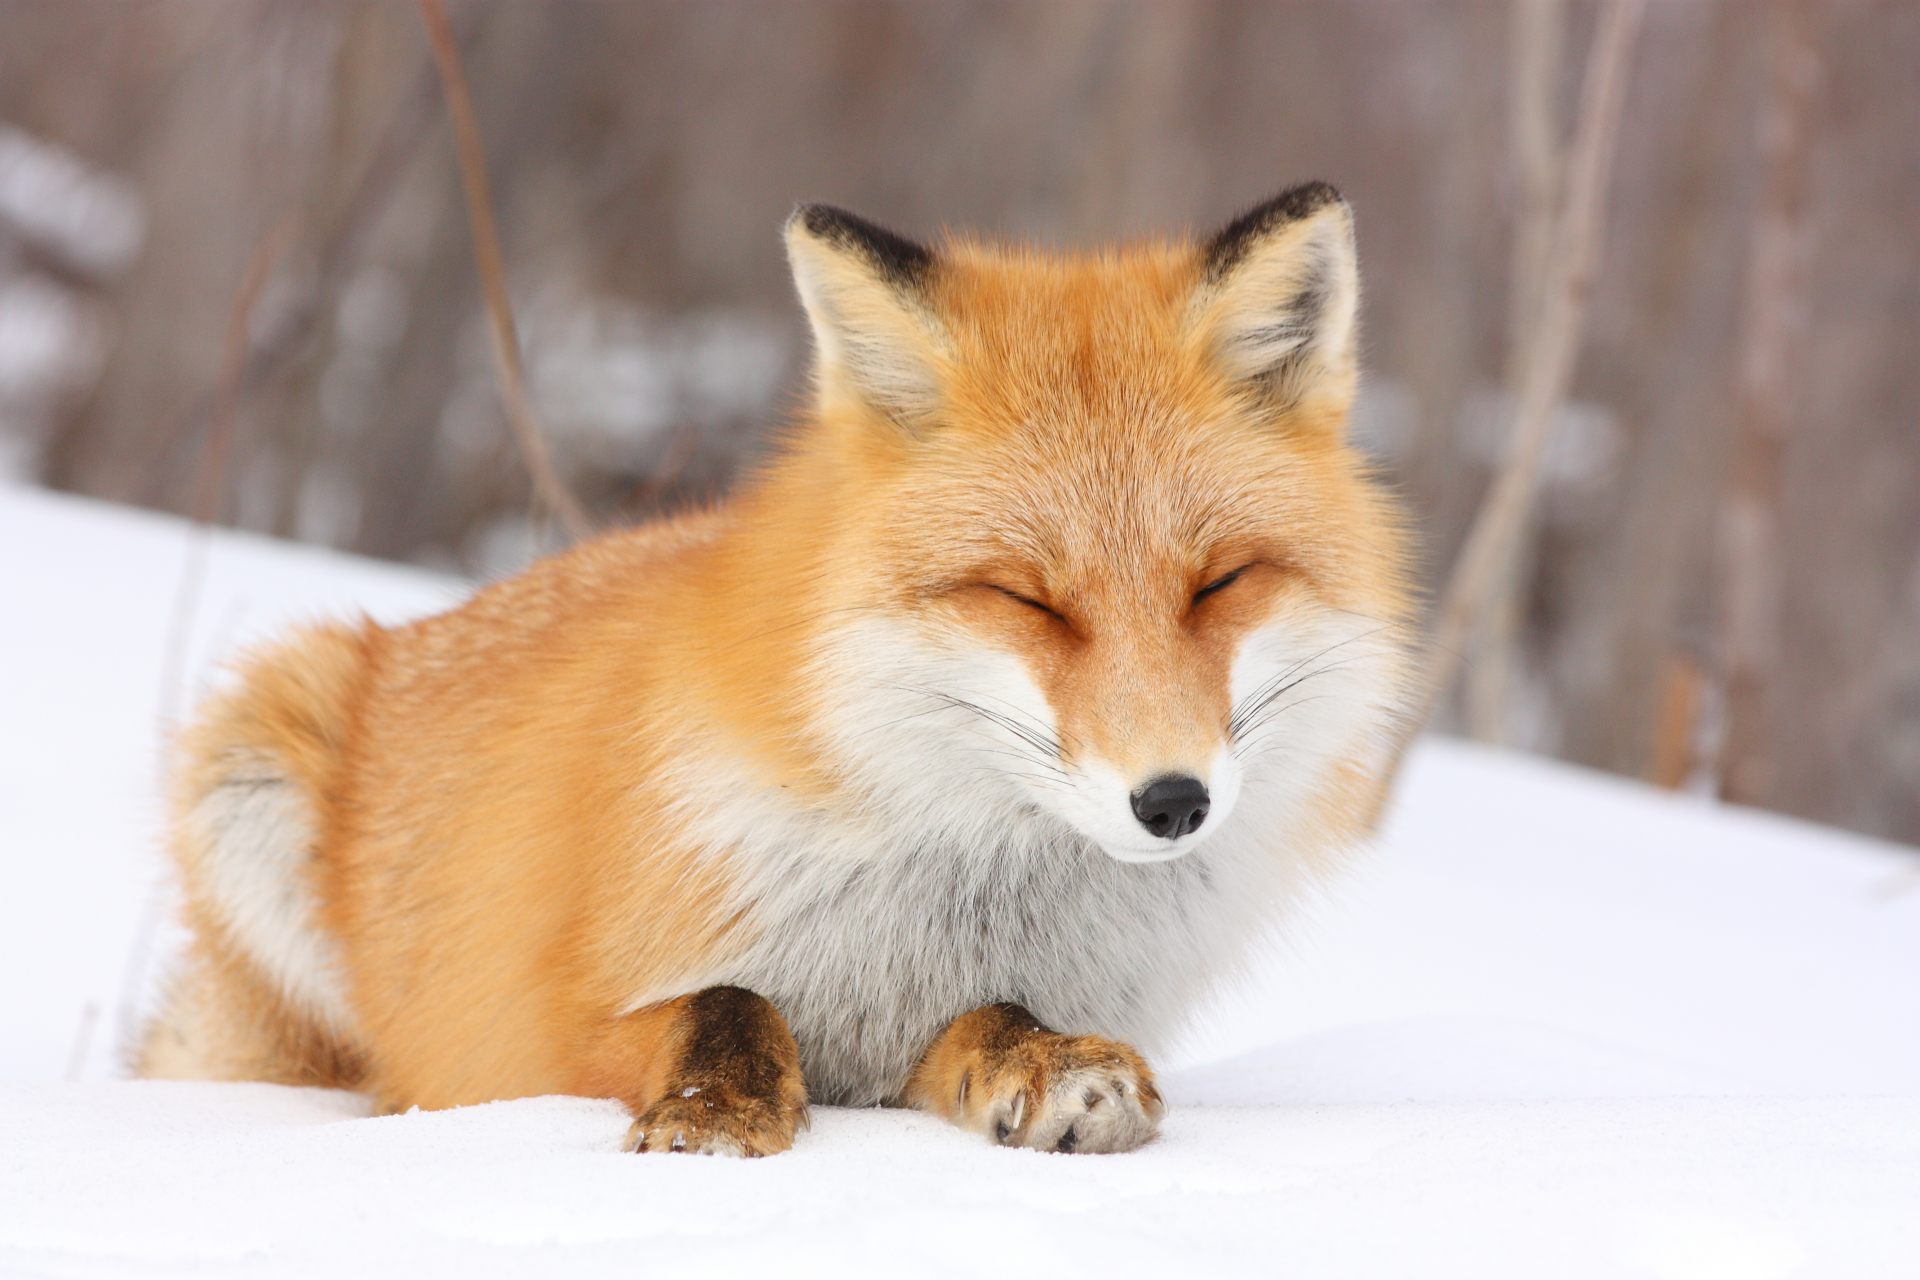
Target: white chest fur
869 957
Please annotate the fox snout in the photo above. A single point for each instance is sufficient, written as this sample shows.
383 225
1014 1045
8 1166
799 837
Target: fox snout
1172 805
1166 815
1151 781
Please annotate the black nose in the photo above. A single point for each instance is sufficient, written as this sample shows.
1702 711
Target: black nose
1172 806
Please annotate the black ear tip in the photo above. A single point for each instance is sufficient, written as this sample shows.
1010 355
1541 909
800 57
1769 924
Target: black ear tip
818 219
1296 202
899 259
1309 196
1230 244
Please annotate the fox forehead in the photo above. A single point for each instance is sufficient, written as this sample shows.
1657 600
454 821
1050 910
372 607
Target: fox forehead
1080 346
1081 433
1144 516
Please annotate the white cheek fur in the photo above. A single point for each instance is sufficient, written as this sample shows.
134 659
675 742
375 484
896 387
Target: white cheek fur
1312 690
964 865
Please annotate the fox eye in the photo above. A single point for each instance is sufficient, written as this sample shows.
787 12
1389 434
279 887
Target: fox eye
1028 601
1220 583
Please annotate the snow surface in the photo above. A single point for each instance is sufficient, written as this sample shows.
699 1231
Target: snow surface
1554 1024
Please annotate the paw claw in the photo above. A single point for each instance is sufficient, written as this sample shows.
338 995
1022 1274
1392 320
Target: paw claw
1076 1094
702 1124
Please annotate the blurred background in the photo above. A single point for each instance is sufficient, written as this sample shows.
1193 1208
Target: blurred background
1720 587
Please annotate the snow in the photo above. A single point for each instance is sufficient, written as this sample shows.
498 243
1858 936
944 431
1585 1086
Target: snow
90 220
1553 1024
235 1177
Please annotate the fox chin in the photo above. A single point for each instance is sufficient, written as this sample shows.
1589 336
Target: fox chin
948 764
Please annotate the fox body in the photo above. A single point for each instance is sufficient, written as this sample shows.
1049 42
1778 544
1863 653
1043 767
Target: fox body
963 748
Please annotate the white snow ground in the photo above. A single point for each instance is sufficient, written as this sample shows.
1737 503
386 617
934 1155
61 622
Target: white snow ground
1555 1024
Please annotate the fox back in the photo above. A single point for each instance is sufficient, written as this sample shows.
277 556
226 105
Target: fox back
1055 647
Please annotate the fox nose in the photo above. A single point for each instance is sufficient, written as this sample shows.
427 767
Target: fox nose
1171 806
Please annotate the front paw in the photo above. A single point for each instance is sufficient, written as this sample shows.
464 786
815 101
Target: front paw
1068 1093
716 1123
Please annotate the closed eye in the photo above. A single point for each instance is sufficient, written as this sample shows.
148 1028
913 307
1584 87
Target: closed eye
1028 601
1220 583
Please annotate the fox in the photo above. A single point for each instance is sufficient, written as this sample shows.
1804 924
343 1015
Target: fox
948 763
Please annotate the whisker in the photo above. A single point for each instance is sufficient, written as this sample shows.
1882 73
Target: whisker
1277 685
1035 736
1018 713
1250 715
1247 747
1031 745
1263 713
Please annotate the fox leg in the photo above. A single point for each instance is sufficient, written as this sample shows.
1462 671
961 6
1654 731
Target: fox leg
713 1073
999 1072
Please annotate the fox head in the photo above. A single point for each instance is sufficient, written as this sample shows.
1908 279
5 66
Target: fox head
1101 556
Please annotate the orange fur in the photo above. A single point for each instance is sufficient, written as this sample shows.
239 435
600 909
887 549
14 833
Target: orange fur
500 848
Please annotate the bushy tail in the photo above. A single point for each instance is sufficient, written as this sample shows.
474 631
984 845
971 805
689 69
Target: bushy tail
263 995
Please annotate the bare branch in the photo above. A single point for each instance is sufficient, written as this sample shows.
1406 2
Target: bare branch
338 239
1770 357
1548 364
493 277
82 1041
211 484
1538 156
216 452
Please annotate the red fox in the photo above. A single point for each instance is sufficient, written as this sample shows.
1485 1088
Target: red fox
964 748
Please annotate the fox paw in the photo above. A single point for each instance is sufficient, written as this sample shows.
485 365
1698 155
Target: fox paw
1067 1093
699 1122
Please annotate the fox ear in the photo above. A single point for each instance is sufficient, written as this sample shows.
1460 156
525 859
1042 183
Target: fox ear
1278 299
864 289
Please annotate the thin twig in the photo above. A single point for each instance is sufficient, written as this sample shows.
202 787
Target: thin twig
1537 156
511 377
78 1053
338 241
671 467
212 481
1502 516
214 459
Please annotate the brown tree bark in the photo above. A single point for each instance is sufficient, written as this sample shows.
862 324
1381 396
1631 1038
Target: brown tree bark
1769 372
